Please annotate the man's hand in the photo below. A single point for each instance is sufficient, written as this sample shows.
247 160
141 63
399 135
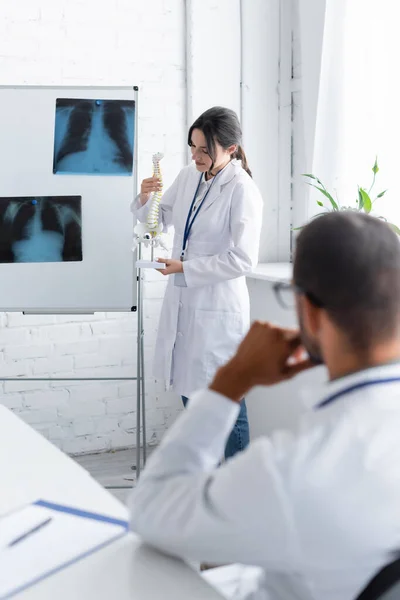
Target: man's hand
266 356
172 266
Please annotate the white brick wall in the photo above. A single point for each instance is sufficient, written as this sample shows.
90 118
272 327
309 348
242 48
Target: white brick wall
86 42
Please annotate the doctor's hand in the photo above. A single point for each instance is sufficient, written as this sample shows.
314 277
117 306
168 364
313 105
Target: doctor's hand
148 186
172 266
266 356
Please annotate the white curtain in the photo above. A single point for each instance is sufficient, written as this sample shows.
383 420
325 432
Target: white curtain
357 113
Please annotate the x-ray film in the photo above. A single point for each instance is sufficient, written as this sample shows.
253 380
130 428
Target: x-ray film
94 137
40 229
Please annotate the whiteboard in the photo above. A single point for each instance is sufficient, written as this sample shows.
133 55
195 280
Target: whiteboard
103 278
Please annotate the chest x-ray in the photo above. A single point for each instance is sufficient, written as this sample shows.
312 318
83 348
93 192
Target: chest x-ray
40 229
94 137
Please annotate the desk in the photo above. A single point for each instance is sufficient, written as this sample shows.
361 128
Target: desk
272 272
32 468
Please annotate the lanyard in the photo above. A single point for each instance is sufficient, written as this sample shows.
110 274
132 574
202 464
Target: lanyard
189 223
353 388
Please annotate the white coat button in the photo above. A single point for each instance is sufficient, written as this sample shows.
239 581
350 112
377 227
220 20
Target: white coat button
180 334
180 304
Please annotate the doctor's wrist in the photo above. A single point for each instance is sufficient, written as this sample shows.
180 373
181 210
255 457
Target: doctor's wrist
232 381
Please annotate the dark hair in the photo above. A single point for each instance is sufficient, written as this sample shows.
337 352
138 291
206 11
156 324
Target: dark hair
221 125
349 264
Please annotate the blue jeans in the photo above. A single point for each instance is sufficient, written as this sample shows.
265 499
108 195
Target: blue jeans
239 438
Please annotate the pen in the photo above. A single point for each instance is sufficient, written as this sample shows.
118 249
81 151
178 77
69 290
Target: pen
28 533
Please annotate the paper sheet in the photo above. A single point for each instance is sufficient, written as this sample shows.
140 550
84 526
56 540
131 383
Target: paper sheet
66 538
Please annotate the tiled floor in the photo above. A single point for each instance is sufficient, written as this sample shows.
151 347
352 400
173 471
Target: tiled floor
112 470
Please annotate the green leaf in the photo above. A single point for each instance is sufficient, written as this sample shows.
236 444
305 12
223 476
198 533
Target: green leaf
395 228
313 177
327 195
381 194
375 168
320 203
360 200
320 214
367 204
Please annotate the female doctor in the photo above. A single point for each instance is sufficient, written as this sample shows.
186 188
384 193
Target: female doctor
216 211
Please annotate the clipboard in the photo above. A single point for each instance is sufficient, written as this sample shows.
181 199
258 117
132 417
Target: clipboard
42 538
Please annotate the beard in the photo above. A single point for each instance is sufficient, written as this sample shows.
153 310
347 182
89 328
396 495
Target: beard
312 347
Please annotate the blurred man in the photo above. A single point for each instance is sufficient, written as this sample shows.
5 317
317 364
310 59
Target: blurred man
318 511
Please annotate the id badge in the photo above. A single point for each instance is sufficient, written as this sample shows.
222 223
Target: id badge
179 280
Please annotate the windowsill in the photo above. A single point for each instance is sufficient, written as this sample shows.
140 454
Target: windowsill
272 272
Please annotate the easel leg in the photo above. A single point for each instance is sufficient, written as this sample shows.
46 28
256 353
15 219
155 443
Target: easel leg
143 400
139 367
141 440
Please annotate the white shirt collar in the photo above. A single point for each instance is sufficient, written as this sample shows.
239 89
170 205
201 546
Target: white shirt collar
313 395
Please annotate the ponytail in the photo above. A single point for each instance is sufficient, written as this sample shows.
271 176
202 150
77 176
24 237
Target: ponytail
240 155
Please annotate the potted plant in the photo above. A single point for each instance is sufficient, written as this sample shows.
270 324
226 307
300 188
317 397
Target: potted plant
364 201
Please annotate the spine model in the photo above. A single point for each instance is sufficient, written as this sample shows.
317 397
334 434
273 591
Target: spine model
153 215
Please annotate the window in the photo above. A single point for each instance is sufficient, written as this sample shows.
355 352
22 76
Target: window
355 116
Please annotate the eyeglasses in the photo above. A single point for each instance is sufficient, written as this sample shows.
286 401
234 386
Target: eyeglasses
286 295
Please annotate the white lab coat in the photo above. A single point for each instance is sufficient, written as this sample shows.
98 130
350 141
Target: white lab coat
318 511
202 324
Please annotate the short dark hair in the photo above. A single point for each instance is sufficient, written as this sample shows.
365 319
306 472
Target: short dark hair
349 263
222 125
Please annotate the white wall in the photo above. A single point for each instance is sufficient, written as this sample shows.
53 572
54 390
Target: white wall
213 55
308 23
75 42
310 150
260 111
234 58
